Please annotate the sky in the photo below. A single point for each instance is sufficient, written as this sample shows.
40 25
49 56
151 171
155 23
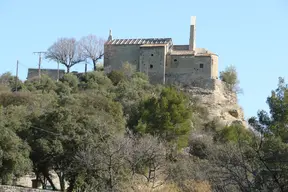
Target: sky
249 34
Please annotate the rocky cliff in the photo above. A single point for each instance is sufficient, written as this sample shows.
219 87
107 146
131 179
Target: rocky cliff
218 102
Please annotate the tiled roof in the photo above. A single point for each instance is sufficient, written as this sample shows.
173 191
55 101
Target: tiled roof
139 41
153 45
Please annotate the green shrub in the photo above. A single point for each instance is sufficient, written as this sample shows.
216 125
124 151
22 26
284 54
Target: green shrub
116 77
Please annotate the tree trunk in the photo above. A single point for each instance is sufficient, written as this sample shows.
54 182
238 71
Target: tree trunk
46 175
68 69
61 180
94 65
71 184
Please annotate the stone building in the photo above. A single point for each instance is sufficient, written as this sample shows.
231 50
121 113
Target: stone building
52 73
161 60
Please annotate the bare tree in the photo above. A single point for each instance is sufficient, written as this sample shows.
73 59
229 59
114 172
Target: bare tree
103 163
146 156
92 48
65 51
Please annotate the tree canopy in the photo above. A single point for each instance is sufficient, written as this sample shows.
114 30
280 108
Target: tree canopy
118 132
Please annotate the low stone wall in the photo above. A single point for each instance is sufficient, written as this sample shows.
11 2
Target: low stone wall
188 80
5 188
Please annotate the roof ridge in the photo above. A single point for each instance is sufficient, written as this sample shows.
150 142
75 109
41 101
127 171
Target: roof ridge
139 41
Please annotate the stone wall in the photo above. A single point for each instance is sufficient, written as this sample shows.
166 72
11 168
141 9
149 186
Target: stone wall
159 63
214 67
152 62
5 188
116 55
52 73
195 66
188 80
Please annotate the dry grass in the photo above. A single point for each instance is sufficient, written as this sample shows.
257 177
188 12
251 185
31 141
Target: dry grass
187 186
196 186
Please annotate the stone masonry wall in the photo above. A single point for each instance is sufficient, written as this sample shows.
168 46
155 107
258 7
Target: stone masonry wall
117 55
188 80
152 62
195 66
5 188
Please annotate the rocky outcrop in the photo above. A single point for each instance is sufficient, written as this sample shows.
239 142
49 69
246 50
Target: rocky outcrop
219 102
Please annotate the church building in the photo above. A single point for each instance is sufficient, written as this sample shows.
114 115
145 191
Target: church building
160 59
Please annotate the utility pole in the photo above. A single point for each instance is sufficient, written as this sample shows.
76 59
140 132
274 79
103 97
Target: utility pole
39 63
16 83
85 66
58 75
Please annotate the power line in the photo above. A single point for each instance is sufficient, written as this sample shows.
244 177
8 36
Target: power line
21 64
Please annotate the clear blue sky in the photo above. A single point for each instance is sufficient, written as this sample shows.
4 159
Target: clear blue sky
250 34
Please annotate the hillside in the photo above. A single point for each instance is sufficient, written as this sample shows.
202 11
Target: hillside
118 132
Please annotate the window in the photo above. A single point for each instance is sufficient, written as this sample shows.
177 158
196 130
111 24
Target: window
151 66
175 60
152 54
201 65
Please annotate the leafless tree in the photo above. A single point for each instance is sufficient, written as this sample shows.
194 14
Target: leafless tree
92 48
146 156
104 163
65 51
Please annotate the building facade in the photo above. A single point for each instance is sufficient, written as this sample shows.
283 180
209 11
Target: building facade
52 73
161 60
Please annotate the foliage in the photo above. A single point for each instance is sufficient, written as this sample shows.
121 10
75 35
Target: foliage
14 152
118 132
95 80
230 77
71 81
20 98
116 77
11 82
167 117
234 133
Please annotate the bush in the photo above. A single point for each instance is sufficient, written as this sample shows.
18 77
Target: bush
199 146
71 80
95 80
168 116
234 133
116 77
230 77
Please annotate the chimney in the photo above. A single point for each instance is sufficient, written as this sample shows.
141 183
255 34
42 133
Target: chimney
110 35
192 44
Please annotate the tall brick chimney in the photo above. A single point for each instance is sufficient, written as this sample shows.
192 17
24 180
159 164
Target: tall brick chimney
192 44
